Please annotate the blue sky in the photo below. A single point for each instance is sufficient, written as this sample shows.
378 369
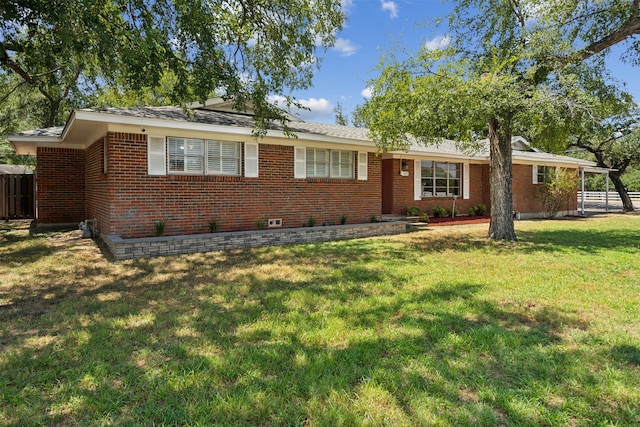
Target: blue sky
376 26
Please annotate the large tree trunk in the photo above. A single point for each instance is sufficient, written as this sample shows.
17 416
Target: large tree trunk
501 227
627 205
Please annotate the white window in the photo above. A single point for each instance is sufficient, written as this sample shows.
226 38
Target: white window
341 164
317 163
199 156
323 163
186 155
223 158
440 179
544 174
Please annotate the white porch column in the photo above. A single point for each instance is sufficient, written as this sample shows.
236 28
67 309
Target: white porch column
606 197
582 191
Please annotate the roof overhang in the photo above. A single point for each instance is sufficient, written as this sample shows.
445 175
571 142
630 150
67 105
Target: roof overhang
593 169
84 127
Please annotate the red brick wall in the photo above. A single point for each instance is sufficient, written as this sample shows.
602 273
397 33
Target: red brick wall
97 186
187 203
60 185
525 192
403 195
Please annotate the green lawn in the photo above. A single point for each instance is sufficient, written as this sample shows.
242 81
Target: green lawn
439 327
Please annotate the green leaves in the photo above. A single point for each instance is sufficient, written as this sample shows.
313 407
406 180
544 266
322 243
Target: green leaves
242 49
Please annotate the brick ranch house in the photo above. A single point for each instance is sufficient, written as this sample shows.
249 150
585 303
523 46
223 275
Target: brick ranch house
129 168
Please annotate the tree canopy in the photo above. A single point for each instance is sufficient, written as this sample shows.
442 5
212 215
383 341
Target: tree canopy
240 49
509 70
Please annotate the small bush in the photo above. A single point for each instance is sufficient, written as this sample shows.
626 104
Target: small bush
439 211
261 224
556 194
413 211
159 227
310 222
479 209
374 218
424 217
213 226
343 220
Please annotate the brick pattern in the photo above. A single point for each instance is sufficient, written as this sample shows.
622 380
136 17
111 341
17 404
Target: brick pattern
402 194
133 201
175 245
60 185
97 188
525 191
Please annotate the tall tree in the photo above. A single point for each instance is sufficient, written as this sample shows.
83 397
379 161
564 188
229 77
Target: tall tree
507 71
615 144
342 119
241 49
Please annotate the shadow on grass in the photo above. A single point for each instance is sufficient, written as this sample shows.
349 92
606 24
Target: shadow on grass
234 338
588 240
199 349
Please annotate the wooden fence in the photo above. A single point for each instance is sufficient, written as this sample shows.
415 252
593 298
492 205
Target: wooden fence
17 197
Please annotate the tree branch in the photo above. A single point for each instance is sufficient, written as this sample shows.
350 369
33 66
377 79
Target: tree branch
631 28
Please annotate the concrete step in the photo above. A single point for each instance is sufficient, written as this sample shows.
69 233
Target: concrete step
417 226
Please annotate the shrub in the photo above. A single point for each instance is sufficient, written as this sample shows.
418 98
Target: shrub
159 227
310 222
424 217
261 224
413 211
480 209
343 220
556 194
374 218
213 226
439 211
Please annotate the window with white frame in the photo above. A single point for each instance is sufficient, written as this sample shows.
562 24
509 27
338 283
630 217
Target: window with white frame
545 174
323 163
223 158
440 179
199 156
341 164
317 163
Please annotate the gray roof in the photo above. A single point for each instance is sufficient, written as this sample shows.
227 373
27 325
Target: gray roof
46 132
222 118
479 150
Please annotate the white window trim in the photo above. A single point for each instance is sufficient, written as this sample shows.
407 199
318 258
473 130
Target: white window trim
156 155
300 162
466 194
251 161
417 180
464 184
363 165
205 158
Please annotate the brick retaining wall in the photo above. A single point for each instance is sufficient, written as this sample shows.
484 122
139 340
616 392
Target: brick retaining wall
147 247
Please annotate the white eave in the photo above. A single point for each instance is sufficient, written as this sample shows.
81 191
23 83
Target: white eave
84 127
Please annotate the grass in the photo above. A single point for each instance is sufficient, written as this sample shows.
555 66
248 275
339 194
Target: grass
439 327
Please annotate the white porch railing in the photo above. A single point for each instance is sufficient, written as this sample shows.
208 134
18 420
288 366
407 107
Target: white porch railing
601 196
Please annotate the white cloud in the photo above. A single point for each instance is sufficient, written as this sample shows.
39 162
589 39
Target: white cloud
318 108
391 7
346 5
438 43
345 47
366 92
